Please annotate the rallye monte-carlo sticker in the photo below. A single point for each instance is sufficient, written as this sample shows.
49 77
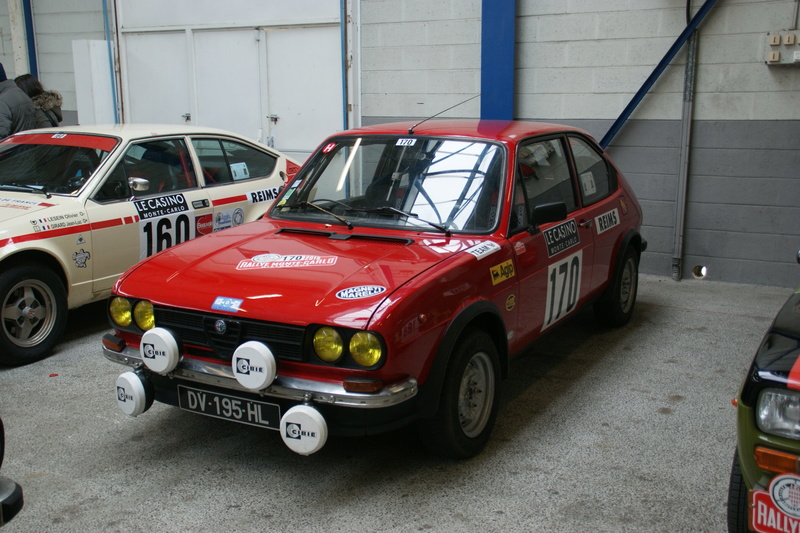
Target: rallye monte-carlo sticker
264 261
776 510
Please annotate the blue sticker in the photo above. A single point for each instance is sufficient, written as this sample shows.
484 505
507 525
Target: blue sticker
224 303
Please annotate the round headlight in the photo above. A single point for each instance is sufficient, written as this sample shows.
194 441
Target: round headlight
328 344
143 315
365 348
119 309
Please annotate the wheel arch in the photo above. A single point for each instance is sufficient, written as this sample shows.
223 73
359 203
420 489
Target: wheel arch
480 315
631 239
37 257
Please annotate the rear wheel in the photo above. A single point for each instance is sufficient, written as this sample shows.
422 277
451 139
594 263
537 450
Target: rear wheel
468 404
615 307
34 313
737 499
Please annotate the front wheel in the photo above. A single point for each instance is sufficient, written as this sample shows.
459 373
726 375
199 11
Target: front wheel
737 499
615 307
468 403
34 313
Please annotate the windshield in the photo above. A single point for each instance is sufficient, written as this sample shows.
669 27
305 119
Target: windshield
415 182
50 164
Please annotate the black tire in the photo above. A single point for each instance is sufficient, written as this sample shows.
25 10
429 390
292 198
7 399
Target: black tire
615 307
737 499
468 403
34 313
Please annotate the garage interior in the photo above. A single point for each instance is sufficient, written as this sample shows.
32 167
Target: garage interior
628 430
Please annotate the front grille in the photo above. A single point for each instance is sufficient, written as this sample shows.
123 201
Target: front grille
200 336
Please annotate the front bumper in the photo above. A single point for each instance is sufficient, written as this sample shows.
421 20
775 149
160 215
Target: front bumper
284 388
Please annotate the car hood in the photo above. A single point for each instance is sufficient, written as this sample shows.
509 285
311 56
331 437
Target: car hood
289 275
24 206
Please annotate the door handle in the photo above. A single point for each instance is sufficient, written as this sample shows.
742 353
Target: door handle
585 223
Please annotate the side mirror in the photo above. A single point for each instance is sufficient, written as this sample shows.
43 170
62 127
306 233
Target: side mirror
544 213
139 184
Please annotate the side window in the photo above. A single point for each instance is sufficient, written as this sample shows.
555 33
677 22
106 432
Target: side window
226 161
545 173
152 167
595 177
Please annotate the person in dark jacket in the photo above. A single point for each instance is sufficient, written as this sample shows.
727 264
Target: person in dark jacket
47 103
16 108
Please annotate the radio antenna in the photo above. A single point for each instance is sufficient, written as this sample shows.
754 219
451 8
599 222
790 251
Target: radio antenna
412 128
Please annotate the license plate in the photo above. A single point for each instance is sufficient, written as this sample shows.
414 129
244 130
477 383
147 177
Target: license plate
226 407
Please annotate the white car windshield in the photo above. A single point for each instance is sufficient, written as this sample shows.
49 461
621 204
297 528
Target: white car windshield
47 168
428 183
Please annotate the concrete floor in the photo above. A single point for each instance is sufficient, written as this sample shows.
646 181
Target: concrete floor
599 430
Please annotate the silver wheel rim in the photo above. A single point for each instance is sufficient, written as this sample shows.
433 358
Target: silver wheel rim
627 286
476 395
29 313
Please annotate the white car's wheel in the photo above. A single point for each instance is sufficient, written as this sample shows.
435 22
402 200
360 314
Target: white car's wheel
34 313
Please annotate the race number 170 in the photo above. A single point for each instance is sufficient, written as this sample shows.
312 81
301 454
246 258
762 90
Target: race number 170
563 288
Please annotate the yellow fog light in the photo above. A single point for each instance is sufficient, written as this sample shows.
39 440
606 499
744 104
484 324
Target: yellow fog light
119 309
328 344
365 349
143 315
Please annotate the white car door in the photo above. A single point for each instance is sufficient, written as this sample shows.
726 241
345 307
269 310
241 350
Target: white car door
149 201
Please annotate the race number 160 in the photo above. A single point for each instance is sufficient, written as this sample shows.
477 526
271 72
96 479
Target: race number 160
563 288
160 233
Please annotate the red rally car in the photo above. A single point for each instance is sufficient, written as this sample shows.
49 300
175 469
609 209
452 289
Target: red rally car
390 282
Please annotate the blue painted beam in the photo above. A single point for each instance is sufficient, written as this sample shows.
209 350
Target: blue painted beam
30 37
498 22
662 65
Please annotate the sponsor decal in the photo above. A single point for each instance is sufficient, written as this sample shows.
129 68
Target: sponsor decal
483 249
606 221
226 303
150 351
204 224
122 395
285 261
406 142
502 272
519 248
776 510
295 431
588 184
328 148
511 302
264 195
244 367
80 240
561 237
362 291
623 206
15 203
238 216
161 206
80 257
223 220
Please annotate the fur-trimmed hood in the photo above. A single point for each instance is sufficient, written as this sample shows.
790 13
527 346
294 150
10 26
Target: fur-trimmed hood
47 100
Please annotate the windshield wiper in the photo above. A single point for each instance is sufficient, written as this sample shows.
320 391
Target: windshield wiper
28 188
305 203
394 210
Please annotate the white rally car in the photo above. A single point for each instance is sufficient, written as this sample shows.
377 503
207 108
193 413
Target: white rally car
79 205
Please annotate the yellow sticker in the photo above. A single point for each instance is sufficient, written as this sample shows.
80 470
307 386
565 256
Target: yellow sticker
502 272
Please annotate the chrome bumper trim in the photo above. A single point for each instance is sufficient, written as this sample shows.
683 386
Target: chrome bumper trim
288 388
